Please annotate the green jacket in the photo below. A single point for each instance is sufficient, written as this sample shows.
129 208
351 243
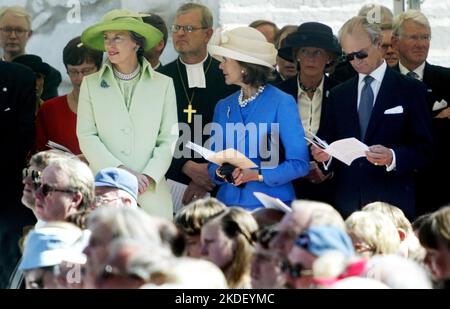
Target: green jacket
141 138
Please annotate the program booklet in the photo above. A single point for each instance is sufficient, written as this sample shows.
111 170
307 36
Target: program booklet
345 150
230 155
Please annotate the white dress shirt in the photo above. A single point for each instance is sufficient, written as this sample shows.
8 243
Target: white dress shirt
419 70
310 110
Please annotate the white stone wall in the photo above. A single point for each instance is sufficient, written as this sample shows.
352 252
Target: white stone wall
52 29
233 13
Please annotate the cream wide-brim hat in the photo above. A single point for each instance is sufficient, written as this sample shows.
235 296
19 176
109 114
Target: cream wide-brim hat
120 20
244 44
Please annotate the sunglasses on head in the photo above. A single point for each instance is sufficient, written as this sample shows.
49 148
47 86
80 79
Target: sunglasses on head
35 176
359 55
47 189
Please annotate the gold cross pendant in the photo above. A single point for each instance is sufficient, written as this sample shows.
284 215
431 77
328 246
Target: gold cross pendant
190 111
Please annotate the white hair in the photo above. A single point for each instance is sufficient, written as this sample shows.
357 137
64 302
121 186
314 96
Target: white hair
398 272
413 15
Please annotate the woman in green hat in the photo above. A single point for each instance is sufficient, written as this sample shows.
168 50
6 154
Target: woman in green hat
127 113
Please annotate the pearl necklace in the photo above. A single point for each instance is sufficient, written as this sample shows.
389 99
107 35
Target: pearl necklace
127 77
243 103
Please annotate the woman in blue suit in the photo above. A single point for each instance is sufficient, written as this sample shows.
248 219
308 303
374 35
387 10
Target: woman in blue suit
254 121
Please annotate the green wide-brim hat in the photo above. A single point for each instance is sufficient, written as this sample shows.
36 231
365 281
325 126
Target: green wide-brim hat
120 20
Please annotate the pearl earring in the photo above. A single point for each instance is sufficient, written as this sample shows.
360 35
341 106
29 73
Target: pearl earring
243 72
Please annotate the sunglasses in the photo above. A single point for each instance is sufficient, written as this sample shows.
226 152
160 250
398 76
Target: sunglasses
35 176
296 270
359 55
47 189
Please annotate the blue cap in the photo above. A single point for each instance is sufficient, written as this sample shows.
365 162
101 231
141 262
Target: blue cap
119 178
320 239
49 246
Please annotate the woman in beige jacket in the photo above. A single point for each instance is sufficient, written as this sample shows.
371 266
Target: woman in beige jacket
127 113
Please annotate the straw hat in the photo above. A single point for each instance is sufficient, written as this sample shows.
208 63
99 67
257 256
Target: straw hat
120 20
243 44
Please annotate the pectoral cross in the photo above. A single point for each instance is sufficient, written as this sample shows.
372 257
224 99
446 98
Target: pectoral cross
190 111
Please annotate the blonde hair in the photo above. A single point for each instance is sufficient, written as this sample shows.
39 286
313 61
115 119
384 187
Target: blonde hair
394 213
413 15
376 230
43 158
320 213
17 10
79 178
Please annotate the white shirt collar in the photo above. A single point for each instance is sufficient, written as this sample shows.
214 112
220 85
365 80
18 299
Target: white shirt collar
195 74
419 70
377 74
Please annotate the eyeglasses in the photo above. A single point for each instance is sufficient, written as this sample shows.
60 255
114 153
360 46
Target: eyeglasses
311 54
295 271
84 72
10 30
359 55
416 38
46 189
186 28
102 200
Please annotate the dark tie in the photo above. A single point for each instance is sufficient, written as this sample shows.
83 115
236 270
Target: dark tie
365 105
413 74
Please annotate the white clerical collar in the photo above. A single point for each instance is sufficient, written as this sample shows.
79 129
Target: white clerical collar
419 70
195 74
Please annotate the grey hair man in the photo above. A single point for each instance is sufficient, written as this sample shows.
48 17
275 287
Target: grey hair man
66 186
131 263
110 223
372 100
15 32
382 16
412 37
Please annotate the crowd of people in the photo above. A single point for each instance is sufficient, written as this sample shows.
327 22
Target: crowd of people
125 202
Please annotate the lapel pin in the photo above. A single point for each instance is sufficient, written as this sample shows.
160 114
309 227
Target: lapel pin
104 84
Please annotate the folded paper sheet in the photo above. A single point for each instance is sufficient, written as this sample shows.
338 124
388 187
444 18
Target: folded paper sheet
345 150
230 155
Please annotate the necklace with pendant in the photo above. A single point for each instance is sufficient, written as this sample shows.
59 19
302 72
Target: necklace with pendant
189 110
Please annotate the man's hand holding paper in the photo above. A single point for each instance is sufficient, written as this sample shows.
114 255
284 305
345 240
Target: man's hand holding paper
379 155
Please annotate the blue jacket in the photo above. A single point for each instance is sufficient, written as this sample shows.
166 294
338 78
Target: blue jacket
272 120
